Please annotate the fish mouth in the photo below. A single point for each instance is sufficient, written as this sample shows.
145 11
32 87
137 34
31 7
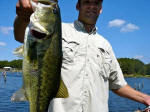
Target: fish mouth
38 34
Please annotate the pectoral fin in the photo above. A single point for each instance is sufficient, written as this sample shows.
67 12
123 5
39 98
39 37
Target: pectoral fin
19 96
62 91
18 51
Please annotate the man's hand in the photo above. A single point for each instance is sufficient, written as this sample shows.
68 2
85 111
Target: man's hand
24 9
147 100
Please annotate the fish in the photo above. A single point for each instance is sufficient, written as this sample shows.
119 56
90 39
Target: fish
42 58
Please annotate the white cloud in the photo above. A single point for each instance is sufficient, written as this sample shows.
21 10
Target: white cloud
129 28
144 59
5 30
2 44
139 57
116 23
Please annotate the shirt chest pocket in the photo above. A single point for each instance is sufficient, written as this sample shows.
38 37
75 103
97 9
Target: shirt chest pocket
69 50
104 63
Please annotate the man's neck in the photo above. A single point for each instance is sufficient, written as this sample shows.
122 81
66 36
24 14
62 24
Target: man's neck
88 27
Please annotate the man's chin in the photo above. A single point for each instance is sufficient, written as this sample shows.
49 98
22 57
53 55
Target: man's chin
90 21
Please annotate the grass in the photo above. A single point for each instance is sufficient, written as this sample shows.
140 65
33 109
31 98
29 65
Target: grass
137 75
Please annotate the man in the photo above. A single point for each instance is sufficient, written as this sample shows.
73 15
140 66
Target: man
89 67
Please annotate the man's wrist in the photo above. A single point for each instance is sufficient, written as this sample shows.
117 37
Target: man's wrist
147 100
23 19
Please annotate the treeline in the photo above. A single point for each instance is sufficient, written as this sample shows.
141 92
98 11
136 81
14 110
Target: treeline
134 66
14 64
128 66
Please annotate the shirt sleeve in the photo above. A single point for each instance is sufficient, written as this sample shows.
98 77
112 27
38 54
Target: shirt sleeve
116 78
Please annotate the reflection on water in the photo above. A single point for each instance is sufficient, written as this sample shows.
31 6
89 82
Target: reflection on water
13 82
8 86
119 104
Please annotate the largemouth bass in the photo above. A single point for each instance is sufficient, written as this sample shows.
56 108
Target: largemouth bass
42 61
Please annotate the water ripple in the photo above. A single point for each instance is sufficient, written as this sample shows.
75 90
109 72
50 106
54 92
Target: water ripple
14 82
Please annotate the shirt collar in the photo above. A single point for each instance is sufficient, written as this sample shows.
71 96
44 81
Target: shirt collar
79 25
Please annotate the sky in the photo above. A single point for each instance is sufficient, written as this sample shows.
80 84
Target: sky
124 23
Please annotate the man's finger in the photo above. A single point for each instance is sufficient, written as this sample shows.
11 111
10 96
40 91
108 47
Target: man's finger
25 4
18 8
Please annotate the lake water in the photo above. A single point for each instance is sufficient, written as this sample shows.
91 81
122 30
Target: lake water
116 103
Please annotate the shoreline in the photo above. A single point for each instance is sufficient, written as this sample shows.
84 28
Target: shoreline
125 75
136 76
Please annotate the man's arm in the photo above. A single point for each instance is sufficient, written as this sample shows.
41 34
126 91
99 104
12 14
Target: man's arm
19 29
23 11
132 94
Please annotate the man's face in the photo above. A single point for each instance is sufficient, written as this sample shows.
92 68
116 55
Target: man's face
89 11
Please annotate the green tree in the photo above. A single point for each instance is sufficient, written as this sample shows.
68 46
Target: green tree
4 63
131 66
126 65
138 66
14 64
147 67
